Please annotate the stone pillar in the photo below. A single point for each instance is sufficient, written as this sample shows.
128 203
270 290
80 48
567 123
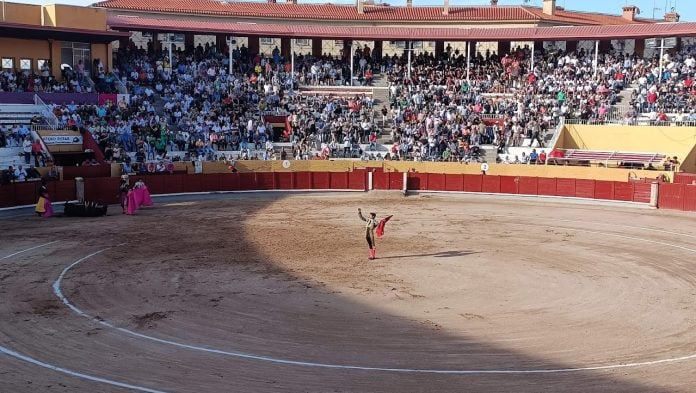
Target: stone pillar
571 46
503 48
285 47
254 45
604 46
189 42
317 47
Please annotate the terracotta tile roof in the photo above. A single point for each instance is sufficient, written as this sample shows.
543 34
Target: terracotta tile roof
406 33
349 12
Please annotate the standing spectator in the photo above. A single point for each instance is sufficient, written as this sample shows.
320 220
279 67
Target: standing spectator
36 152
26 149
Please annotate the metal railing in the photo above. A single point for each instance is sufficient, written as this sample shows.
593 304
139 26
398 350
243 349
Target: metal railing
46 112
35 136
90 83
557 132
122 89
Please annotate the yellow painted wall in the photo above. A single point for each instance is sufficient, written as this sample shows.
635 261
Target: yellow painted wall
549 171
24 49
26 14
100 51
60 15
671 141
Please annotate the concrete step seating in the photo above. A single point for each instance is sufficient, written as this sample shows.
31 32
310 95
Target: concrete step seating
10 156
11 114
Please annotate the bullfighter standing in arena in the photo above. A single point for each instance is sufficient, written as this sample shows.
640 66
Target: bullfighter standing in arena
371 224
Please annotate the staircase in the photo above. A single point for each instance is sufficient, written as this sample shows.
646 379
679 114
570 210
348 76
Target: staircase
158 102
380 95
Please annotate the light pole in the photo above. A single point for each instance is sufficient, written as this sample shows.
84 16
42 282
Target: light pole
468 62
352 60
595 62
292 64
662 55
169 42
409 49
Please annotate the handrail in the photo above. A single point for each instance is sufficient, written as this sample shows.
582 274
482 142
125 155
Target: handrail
35 136
90 82
556 135
122 89
46 112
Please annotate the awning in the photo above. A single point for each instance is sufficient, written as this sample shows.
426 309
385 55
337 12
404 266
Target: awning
560 33
34 32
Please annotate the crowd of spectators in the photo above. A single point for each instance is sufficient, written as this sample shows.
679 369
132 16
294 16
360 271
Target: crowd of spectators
72 79
671 93
440 111
190 107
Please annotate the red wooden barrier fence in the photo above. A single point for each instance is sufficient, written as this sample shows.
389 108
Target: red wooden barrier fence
522 185
678 196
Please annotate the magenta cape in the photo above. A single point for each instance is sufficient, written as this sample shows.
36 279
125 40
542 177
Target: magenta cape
138 198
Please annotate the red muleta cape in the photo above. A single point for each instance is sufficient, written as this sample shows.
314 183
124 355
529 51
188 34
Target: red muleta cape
381 225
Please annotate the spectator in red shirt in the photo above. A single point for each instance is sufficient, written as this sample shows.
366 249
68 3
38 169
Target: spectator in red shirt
36 151
542 157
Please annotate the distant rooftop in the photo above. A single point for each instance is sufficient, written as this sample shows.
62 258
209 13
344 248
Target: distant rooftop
370 12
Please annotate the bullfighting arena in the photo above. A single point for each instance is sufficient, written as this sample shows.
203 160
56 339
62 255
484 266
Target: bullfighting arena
274 293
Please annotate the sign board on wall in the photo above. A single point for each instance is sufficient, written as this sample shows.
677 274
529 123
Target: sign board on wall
669 42
62 139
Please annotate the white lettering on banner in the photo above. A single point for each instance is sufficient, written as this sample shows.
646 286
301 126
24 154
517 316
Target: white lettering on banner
62 139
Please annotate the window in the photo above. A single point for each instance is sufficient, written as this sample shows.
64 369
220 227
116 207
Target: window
7 63
266 41
25 64
338 42
398 44
302 42
40 63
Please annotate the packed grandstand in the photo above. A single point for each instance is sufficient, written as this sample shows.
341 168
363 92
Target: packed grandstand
222 102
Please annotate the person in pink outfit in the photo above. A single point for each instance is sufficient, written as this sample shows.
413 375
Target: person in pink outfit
43 205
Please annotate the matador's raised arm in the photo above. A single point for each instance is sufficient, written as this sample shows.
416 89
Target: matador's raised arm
361 216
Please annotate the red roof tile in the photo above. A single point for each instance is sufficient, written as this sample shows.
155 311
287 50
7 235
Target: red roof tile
407 33
349 12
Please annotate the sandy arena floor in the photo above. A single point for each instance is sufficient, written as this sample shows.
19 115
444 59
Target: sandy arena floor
274 293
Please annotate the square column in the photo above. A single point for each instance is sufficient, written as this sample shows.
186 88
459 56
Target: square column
439 48
639 49
571 46
220 42
503 48
285 47
189 42
378 50
317 48
254 46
